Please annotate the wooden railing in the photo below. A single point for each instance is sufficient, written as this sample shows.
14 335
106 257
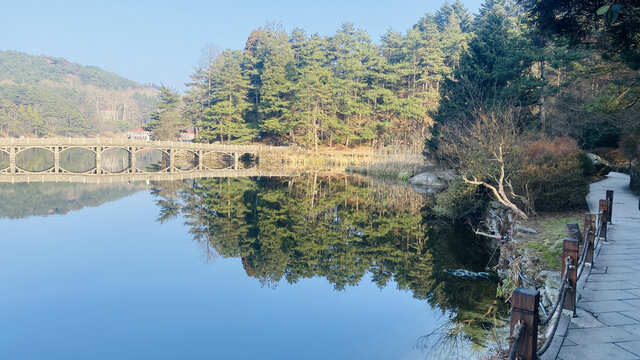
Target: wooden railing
525 318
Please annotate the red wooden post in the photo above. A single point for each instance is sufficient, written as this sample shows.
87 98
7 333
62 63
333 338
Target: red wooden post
609 205
525 308
590 235
604 209
570 249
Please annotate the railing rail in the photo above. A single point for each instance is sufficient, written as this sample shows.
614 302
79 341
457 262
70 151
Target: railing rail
4 142
595 228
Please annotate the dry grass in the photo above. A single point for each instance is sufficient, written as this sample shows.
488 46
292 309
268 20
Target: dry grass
394 165
543 250
547 243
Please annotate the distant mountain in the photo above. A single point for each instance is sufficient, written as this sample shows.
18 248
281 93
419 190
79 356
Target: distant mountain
47 96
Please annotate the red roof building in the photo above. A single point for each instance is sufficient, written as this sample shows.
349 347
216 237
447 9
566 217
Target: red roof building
139 134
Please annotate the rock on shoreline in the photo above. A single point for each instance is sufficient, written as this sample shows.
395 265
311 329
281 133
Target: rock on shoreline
432 181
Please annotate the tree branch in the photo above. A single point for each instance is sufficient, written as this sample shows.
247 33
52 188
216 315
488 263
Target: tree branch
500 196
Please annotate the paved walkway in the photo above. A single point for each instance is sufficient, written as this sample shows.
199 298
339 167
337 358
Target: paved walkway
607 325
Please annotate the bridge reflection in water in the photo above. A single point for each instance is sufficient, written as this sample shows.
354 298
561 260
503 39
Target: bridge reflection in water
174 155
115 178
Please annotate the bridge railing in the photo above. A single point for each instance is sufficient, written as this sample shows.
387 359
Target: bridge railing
525 318
139 143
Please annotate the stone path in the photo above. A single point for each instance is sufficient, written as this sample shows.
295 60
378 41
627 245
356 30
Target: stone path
607 325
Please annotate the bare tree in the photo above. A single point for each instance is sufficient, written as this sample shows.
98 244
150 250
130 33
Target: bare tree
487 152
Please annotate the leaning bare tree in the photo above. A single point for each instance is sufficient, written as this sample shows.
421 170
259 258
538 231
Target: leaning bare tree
487 152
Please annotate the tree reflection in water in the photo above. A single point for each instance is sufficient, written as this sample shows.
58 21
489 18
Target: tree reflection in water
341 227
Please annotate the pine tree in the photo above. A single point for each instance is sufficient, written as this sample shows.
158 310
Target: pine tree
313 103
198 95
443 16
167 120
271 70
494 69
228 103
349 49
36 122
454 42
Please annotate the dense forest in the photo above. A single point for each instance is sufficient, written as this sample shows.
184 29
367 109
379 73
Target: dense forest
345 89
341 89
47 96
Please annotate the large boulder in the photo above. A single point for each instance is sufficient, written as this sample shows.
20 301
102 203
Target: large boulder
597 160
432 181
601 165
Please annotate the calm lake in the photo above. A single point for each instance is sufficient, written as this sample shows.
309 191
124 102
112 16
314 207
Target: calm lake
312 267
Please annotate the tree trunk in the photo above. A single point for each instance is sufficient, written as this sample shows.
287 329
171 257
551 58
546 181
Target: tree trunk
346 143
315 128
499 192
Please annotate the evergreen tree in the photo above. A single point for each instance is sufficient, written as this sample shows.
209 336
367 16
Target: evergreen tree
493 71
313 107
36 122
453 41
349 48
456 10
272 74
167 120
613 27
223 118
198 95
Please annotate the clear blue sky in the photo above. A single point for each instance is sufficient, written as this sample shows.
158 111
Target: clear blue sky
161 41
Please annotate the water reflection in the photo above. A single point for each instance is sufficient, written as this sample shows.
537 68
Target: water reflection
340 228
77 160
4 159
37 199
34 159
115 160
345 229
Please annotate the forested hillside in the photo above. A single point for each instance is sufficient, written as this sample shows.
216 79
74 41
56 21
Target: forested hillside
510 97
347 89
46 96
541 81
341 89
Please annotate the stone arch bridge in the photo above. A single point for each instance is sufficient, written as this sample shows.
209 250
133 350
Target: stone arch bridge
171 151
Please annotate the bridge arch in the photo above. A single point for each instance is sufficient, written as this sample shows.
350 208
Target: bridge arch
83 162
43 159
70 147
185 160
25 148
154 159
113 159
